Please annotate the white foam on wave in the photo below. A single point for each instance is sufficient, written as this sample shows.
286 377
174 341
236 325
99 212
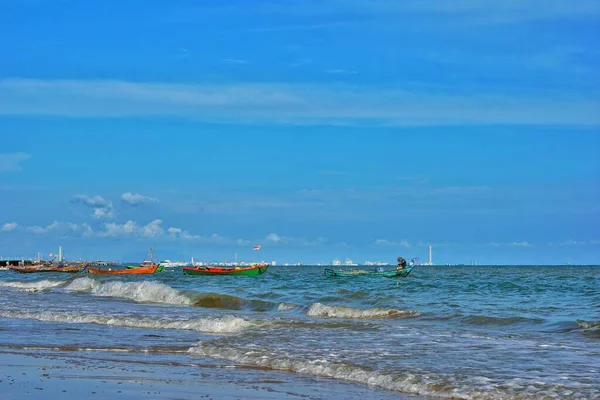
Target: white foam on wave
588 324
322 310
82 285
403 382
285 307
33 286
146 291
224 324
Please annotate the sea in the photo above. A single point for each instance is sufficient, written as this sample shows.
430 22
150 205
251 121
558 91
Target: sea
462 332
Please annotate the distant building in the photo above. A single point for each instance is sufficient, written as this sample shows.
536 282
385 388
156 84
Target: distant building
336 262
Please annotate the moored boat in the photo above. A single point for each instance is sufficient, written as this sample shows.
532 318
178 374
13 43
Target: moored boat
257 269
28 269
393 273
147 263
126 271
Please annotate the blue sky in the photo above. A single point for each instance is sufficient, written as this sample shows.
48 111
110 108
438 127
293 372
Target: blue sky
319 129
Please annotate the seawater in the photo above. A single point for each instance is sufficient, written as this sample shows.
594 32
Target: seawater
496 332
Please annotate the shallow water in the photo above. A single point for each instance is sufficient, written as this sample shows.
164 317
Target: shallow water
462 332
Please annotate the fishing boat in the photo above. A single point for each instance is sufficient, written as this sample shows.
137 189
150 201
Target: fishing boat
147 263
256 269
125 271
28 269
401 271
393 273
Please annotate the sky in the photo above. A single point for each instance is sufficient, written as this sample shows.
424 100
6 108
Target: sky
319 129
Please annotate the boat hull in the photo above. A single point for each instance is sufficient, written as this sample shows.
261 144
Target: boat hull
72 269
159 269
403 273
127 271
249 271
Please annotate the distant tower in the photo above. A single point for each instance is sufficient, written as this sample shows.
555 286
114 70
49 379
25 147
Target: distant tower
430 259
60 254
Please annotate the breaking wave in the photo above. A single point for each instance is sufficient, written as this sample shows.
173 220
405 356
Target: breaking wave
146 291
224 324
322 310
416 383
595 325
33 286
285 307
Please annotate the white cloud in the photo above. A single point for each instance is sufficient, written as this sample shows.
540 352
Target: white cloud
136 199
82 229
569 242
273 237
113 229
340 71
457 11
460 190
385 242
102 208
294 241
9 226
234 61
294 103
95 201
153 229
506 11
510 244
12 161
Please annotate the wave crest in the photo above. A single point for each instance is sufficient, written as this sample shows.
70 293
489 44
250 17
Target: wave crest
285 307
322 310
33 286
224 324
588 324
146 291
403 381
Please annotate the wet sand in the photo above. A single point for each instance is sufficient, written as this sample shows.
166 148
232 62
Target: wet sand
28 376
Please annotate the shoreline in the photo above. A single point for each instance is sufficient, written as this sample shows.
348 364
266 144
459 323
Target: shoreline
34 375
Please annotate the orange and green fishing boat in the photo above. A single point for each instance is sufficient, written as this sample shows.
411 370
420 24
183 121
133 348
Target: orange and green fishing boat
147 263
125 271
256 269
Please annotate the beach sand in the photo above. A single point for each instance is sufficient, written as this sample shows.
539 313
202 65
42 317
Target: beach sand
34 375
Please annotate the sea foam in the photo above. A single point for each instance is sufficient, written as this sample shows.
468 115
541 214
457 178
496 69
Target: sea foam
322 310
401 381
145 291
224 324
33 286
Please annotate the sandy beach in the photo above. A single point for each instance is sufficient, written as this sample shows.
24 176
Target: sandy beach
28 376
